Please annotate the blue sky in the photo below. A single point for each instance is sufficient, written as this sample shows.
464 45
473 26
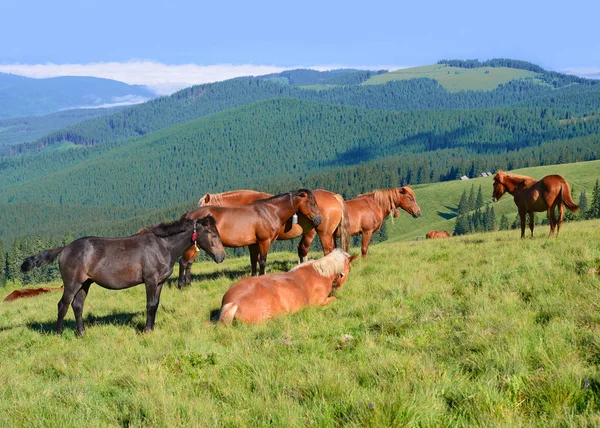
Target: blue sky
282 34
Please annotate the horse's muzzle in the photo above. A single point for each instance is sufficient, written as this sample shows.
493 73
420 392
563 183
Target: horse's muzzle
219 257
494 199
417 214
317 221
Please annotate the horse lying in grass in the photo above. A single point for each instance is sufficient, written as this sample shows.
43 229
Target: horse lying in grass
434 234
367 212
255 225
119 263
29 292
255 299
334 214
531 196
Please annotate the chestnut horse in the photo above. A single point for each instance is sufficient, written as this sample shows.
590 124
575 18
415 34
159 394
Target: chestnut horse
367 212
333 209
29 292
531 196
255 225
119 263
254 300
434 234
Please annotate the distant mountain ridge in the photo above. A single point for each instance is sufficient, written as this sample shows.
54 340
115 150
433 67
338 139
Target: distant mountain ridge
23 96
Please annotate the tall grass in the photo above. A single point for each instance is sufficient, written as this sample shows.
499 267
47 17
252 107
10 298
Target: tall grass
486 329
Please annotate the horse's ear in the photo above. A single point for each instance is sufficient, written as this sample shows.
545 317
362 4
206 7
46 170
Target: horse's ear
408 185
302 193
403 190
352 258
207 198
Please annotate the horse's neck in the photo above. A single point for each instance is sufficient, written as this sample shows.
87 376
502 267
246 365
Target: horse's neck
284 205
314 283
176 244
385 210
516 186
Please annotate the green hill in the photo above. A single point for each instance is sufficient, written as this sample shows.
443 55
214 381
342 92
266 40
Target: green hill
484 330
456 78
438 201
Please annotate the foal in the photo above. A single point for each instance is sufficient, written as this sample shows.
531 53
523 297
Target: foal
255 299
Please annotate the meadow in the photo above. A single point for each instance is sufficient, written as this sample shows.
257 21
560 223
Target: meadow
484 329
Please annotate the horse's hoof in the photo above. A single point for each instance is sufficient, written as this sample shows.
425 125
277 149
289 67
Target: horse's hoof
80 333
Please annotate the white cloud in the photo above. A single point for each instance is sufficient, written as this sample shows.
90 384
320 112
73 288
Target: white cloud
589 72
162 78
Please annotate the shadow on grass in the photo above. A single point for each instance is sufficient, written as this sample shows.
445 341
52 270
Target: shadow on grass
121 319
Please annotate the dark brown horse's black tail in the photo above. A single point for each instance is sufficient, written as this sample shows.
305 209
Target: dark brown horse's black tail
40 259
566 197
344 226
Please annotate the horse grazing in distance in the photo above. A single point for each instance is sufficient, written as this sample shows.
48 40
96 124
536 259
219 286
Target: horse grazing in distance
255 225
119 263
368 211
255 299
434 234
531 196
29 292
334 218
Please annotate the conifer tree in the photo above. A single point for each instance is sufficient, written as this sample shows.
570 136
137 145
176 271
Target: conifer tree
463 204
471 202
594 210
479 200
504 222
583 204
2 264
492 224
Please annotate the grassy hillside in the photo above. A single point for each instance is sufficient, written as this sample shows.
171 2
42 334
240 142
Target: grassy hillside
479 330
455 78
438 201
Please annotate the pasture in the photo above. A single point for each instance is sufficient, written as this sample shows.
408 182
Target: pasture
455 78
485 329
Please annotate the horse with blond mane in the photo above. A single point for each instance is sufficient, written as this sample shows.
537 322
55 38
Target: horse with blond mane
368 211
334 215
255 299
531 196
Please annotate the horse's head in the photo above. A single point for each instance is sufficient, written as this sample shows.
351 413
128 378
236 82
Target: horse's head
304 201
405 199
499 188
338 282
208 238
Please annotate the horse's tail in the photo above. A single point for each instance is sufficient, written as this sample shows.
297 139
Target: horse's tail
228 313
40 259
344 226
566 197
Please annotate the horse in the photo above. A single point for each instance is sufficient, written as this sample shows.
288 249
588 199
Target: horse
255 299
119 263
536 196
367 212
29 292
434 234
334 218
255 225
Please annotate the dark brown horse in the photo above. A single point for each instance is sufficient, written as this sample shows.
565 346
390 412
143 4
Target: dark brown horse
531 196
434 234
118 263
29 292
255 225
254 300
333 210
367 212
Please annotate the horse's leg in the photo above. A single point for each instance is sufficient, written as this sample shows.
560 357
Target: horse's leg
152 300
182 267
522 215
552 218
366 238
263 247
561 213
254 255
185 267
304 245
77 305
328 300
531 221
69 292
327 242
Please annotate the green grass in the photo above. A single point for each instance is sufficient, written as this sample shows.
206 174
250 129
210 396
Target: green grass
484 330
455 78
438 201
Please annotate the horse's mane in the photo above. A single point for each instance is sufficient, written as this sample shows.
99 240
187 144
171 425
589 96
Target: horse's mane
167 229
216 199
384 198
332 264
516 178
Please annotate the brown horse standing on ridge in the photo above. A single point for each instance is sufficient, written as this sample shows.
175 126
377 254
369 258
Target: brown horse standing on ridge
254 300
255 225
367 212
434 234
531 196
333 209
